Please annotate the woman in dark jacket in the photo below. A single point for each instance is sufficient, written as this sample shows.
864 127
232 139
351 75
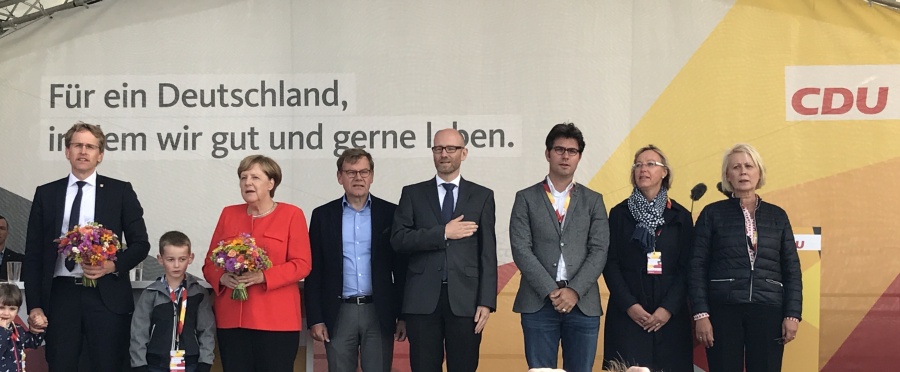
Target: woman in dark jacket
647 321
745 282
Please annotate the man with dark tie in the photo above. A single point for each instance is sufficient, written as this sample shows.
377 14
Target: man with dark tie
54 291
446 225
354 291
6 254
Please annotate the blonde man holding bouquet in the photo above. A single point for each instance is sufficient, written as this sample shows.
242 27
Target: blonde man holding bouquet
55 290
261 333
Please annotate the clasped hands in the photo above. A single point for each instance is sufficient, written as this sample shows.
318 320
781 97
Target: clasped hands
95 272
564 299
649 322
231 280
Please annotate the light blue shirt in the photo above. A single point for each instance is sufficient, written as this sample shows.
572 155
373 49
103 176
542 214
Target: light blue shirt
356 232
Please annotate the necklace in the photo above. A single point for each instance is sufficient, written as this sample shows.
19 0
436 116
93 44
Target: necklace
262 214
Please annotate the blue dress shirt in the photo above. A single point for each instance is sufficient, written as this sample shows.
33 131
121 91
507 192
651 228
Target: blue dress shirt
356 231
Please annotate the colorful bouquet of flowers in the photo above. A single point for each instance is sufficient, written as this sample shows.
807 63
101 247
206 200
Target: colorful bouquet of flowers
91 244
239 255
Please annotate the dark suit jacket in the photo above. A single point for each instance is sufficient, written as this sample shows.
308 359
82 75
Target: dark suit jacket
324 286
472 262
9 256
117 208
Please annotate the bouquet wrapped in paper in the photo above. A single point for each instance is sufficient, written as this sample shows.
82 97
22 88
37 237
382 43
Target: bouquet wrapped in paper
90 244
239 255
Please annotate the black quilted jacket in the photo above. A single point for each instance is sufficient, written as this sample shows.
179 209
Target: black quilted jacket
721 272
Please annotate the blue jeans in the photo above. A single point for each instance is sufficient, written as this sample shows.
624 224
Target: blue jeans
545 329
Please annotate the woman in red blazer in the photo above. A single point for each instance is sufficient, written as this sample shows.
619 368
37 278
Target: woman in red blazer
263 332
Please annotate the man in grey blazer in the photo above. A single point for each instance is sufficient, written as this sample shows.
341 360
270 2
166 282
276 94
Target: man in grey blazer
446 226
559 234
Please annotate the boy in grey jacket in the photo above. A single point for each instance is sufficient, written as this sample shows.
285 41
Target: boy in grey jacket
162 335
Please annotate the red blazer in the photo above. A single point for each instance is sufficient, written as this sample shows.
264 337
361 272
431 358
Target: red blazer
275 304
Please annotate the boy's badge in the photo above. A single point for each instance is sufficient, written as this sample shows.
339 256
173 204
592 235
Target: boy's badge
654 263
176 360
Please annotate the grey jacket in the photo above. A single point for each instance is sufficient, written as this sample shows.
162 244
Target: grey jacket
537 240
151 325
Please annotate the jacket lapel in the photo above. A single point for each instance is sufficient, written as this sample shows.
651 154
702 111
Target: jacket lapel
336 250
100 193
464 195
59 195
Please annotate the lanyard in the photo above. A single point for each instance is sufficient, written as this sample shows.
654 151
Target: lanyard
179 313
18 354
559 216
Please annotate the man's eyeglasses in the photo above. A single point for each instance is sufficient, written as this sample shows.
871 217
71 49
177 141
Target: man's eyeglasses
364 173
649 165
79 146
449 149
559 150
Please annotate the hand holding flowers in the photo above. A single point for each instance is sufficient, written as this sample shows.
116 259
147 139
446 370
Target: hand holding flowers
92 246
243 263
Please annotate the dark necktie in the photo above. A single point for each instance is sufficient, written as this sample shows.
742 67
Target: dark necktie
447 207
74 217
447 215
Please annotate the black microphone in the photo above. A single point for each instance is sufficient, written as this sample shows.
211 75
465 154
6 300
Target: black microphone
726 193
698 191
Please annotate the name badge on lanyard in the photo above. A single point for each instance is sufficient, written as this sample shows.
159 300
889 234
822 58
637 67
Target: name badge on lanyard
654 263
176 355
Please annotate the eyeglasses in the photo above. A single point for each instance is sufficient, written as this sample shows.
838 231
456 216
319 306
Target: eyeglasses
79 146
559 150
649 165
450 149
364 173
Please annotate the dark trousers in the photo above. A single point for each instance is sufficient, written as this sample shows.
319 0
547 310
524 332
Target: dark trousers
745 332
249 350
430 334
78 316
357 334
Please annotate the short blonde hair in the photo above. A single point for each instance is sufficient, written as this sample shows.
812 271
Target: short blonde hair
268 166
754 155
90 128
667 180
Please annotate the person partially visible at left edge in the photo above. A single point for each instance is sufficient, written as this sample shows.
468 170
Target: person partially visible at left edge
262 333
354 291
6 254
745 285
160 326
446 225
559 236
647 320
54 294
14 339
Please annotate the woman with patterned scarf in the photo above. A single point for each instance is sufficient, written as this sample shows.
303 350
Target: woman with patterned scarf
647 320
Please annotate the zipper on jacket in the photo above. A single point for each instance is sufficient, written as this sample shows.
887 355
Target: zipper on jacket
153 328
775 282
722 280
751 283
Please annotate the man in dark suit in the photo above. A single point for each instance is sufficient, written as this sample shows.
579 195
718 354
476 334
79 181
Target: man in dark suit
446 225
8 255
56 298
559 236
353 293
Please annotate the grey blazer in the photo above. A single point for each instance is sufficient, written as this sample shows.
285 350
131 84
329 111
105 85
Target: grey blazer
537 241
